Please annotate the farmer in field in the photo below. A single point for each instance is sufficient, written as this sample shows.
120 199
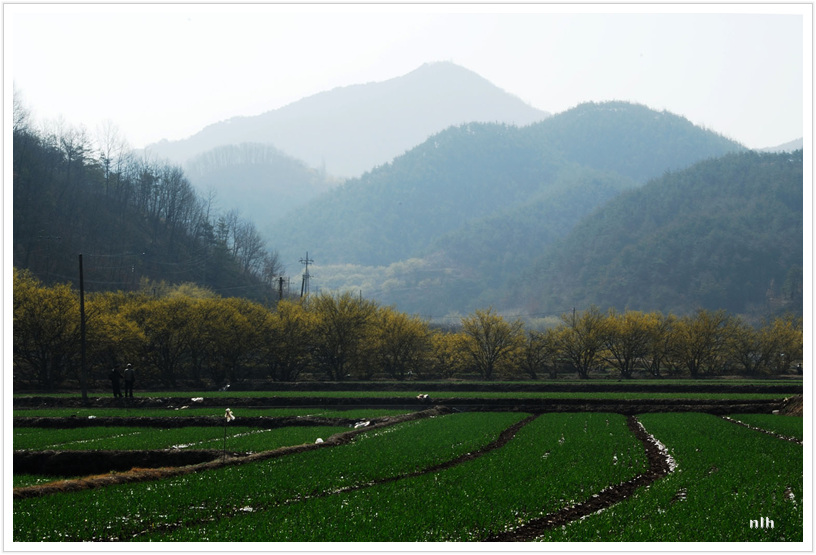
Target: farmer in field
130 375
115 376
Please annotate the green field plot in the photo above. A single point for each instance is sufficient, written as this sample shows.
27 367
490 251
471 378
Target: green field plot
122 511
438 475
365 491
542 469
726 477
613 389
238 438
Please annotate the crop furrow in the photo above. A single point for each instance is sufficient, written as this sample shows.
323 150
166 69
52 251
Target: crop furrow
660 464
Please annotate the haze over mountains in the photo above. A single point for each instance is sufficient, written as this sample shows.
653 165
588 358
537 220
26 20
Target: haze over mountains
462 197
460 190
340 133
454 224
350 130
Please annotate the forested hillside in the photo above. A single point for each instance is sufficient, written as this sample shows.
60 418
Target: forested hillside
629 139
474 171
493 250
396 210
137 222
723 234
258 181
454 219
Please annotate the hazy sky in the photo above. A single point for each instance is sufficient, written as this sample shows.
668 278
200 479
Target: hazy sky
166 71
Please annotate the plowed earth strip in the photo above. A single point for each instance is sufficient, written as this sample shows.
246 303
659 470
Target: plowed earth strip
660 464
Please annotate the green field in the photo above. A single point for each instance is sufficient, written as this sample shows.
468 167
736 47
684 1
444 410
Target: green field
726 476
434 479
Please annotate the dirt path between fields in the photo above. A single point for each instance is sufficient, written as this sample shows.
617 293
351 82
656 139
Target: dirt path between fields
660 464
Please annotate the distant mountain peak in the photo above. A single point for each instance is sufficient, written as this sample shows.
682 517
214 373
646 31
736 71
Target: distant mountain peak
790 146
353 129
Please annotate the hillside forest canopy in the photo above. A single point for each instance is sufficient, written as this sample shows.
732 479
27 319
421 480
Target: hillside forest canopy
133 219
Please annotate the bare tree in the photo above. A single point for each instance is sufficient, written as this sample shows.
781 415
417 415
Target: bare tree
21 114
249 247
113 151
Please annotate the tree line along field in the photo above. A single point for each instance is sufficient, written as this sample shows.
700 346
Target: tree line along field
417 472
185 336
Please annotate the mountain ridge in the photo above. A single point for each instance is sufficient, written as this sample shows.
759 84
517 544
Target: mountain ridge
348 130
469 171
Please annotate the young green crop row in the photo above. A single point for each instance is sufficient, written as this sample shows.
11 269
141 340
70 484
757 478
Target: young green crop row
727 477
794 384
120 512
369 490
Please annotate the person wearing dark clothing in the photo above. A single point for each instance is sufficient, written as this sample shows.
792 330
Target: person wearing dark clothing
130 375
115 376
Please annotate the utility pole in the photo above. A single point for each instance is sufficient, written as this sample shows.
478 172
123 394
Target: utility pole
280 288
83 381
304 286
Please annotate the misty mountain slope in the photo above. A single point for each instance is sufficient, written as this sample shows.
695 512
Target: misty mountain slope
469 267
394 211
630 139
725 233
790 146
473 171
350 130
258 181
494 249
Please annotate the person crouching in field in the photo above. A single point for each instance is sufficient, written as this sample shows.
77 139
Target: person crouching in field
130 376
115 376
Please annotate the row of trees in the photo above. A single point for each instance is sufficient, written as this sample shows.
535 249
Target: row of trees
186 334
